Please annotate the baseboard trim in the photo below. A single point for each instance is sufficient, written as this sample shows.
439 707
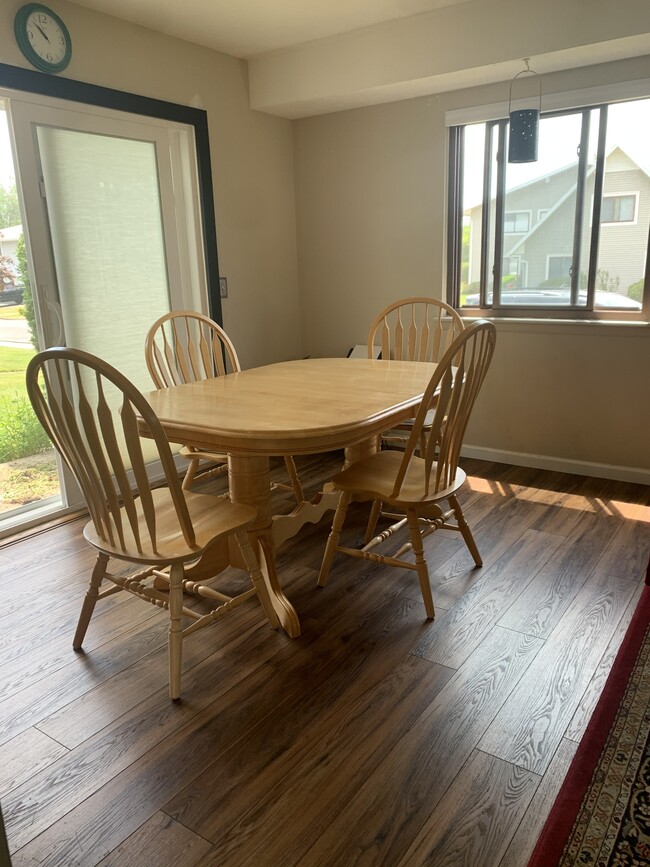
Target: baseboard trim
562 465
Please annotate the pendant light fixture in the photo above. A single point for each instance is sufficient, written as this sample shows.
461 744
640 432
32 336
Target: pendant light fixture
523 131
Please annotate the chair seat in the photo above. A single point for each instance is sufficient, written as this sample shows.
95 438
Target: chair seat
375 476
211 518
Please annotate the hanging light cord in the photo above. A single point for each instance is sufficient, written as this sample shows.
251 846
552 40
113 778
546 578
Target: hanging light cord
526 71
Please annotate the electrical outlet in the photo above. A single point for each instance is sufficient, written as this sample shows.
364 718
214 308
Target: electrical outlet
223 287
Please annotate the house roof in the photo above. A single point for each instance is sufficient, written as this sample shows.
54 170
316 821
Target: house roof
566 195
555 172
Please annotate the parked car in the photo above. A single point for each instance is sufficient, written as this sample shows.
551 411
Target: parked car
557 297
11 295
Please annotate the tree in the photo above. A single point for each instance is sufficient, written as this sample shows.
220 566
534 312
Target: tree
27 309
9 207
7 271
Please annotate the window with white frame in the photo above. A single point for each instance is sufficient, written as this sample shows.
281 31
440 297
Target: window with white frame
516 222
592 173
619 209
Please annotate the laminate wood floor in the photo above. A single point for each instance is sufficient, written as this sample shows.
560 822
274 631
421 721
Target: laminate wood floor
376 738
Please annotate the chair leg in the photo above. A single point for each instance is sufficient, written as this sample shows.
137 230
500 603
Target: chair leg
421 563
92 594
295 481
253 567
463 526
371 526
189 475
333 540
175 640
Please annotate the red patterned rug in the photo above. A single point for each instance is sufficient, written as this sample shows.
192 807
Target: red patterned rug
601 816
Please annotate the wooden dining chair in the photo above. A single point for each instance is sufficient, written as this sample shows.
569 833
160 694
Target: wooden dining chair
91 412
413 329
186 346
420 487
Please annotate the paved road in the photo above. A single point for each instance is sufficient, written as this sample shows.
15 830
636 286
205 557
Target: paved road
15 332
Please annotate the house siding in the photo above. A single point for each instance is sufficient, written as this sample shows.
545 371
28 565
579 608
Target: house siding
622 248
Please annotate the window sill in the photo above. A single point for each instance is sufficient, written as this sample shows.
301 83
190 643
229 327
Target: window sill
638 328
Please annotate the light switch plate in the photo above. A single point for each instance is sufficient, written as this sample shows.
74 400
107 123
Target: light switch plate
223 287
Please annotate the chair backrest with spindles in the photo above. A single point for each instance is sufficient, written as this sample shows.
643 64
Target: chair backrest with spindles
415 329
452 391
91 413
185 346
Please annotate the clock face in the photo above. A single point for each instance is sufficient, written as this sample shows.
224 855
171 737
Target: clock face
43 37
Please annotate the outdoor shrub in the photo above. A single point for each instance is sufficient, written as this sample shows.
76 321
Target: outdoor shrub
21 434
635 291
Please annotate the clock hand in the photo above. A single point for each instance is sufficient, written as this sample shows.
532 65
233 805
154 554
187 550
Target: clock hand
43 32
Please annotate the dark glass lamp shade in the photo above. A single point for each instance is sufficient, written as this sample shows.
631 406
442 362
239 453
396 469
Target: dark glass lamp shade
523 136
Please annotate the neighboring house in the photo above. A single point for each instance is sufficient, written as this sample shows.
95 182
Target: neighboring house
539 227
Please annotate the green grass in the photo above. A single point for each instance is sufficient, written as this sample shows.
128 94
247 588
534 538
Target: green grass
12 359
21 434
13 363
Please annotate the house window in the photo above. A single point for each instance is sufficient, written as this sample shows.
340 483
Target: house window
590 174
516 221
618 209
559 268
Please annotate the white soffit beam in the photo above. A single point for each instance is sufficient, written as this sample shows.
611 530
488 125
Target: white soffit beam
474 43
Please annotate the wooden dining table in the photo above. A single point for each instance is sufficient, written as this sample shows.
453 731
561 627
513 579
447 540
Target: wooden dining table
307 406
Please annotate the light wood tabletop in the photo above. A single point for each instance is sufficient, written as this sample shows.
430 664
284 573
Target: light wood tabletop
294 407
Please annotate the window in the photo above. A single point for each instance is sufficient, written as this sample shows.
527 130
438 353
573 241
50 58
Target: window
591 175
618 209
559 268
514 221
113 207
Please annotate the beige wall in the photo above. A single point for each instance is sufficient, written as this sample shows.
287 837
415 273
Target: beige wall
370 193
252 163
369 227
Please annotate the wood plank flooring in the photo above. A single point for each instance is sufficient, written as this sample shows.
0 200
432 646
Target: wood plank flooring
376 738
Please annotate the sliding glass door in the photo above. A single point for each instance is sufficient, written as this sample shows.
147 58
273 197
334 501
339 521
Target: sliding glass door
113 226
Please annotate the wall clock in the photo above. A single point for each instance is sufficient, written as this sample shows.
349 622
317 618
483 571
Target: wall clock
42 37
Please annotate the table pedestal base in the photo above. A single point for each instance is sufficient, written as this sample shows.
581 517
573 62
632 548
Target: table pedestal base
249 481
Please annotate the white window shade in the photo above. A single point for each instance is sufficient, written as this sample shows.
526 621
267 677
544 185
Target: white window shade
104 212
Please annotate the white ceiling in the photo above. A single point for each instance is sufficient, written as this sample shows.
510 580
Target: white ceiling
308 57
244 28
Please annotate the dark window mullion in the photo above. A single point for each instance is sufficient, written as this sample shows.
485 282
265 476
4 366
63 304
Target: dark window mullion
599 180
455 211
499 214
485 209
580 199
